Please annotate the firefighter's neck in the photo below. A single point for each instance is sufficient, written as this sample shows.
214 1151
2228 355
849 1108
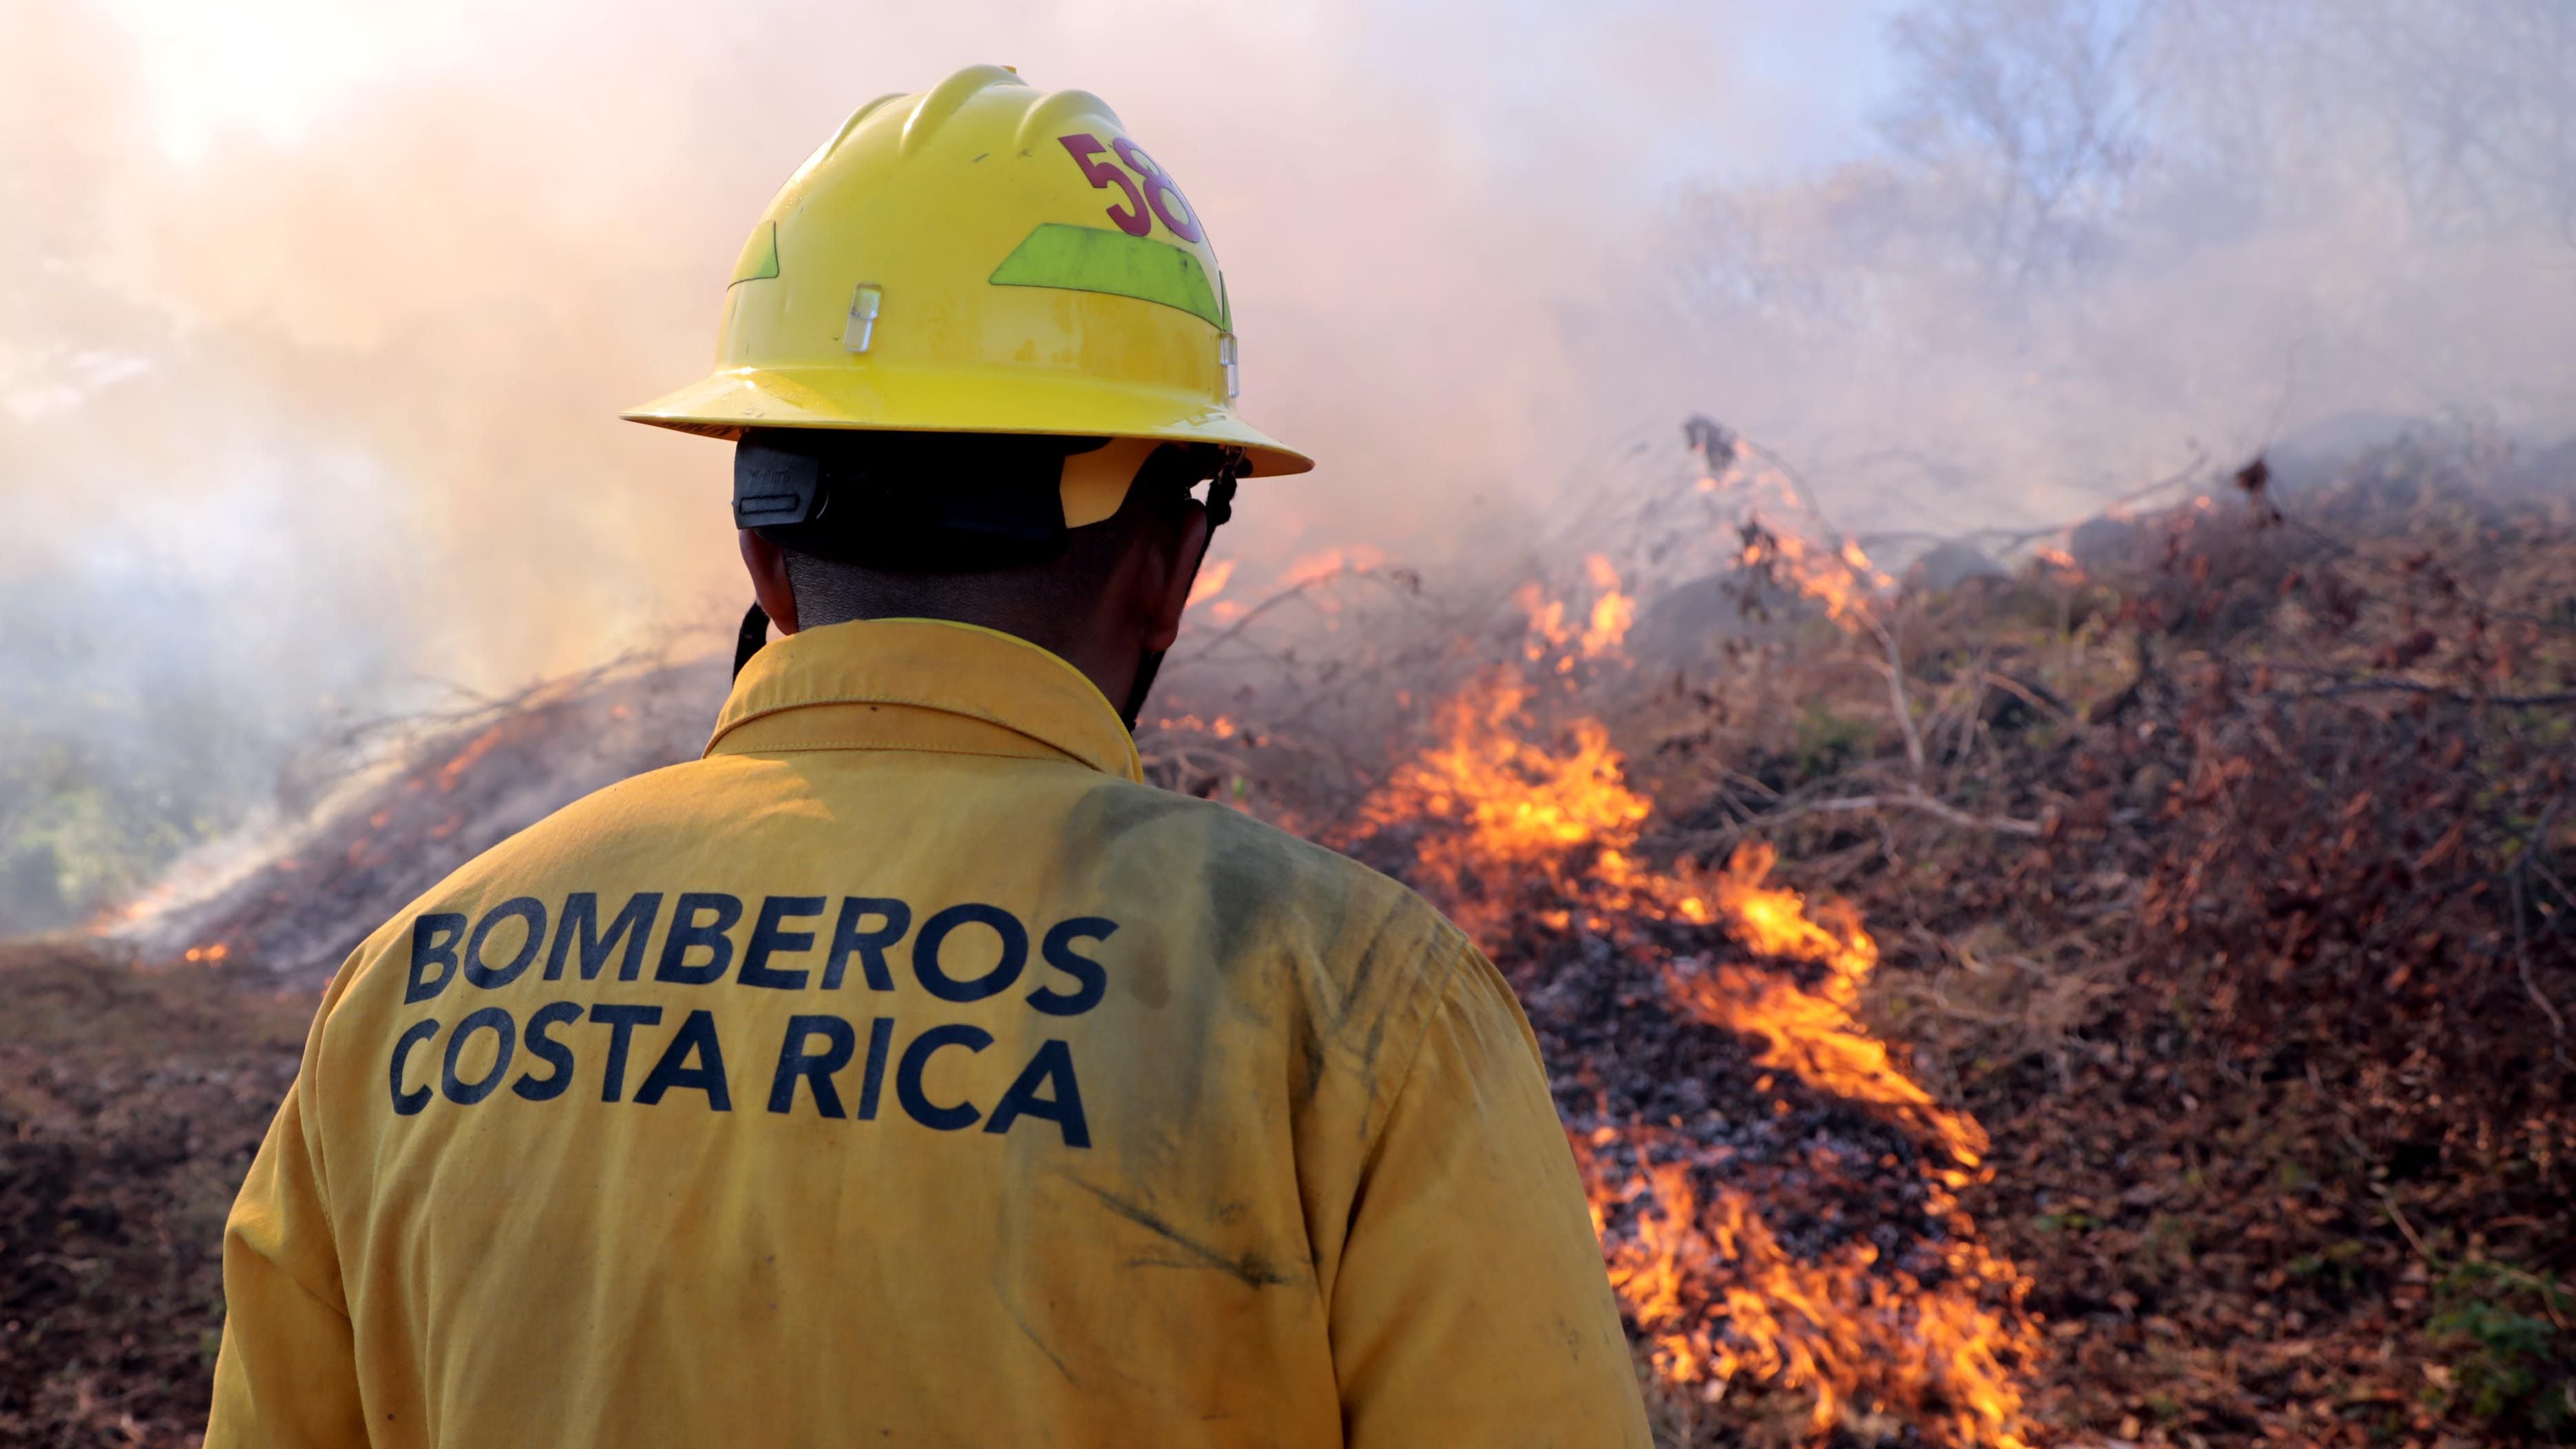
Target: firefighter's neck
1136 615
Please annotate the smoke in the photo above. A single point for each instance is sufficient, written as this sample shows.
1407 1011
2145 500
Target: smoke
464 263
314 319
2103 242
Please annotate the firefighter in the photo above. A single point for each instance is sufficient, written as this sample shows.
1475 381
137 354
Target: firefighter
906 1071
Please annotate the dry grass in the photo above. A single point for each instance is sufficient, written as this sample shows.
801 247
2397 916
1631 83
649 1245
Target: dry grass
131 1101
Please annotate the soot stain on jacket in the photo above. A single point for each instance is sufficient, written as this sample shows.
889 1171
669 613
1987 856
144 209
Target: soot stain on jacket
1263 886
1248 1267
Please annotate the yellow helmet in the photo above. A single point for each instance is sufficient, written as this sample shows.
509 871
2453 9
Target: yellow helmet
983 257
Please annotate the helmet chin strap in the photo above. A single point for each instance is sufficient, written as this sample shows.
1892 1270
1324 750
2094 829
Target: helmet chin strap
755 632
1220 507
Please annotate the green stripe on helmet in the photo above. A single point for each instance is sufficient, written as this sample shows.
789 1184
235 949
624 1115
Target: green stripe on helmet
759 259
1092 259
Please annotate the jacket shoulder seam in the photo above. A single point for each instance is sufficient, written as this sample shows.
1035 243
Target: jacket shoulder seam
941 706
1053 756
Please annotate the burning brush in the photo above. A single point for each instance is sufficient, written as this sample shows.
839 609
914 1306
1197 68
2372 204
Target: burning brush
1776 1196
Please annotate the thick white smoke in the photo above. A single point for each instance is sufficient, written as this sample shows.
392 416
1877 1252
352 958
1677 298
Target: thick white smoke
2107 237
314 319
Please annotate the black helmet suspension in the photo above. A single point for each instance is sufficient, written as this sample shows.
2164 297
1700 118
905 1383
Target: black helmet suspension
800 487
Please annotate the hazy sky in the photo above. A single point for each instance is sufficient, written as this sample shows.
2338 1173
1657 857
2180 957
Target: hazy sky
1714 87
321 313
443 243
316 316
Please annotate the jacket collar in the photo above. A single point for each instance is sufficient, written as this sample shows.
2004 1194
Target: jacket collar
921 684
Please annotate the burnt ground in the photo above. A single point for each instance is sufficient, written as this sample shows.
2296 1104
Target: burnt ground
131 1102
2246 935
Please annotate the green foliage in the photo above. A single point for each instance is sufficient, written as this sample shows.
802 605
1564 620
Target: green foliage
1828 744
2512 1359
100 791
77 829
2338 1267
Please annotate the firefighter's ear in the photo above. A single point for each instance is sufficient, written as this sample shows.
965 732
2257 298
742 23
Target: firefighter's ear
767 563
1179 553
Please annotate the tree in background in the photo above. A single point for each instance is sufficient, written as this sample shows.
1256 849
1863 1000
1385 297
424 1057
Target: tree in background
2103 238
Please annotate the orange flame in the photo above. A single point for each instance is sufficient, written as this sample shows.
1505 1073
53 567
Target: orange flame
454 770
1358 558
1718 1297
1813 1033
1223 726
1612 613
1211 581
1547 628
1550 632
1701 1274
1844 579
1518 806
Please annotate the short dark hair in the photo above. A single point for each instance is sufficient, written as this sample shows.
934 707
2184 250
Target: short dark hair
860 562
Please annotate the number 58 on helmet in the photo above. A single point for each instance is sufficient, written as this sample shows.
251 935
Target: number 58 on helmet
983 257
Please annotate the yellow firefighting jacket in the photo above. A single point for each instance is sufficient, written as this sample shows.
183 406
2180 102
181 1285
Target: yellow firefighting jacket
907 1072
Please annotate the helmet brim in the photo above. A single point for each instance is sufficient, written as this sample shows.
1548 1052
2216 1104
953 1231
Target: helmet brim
724 403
